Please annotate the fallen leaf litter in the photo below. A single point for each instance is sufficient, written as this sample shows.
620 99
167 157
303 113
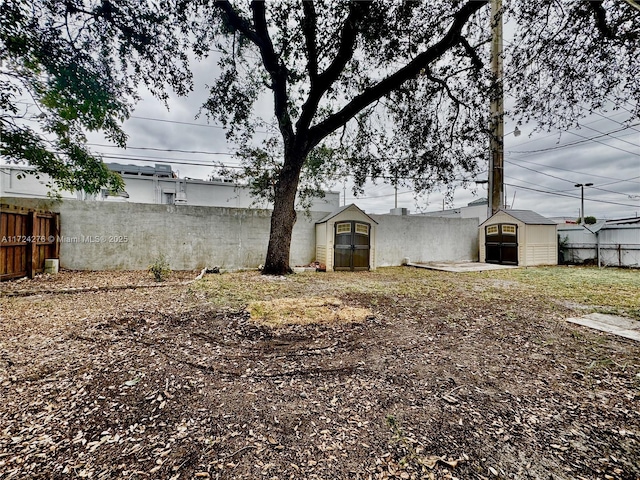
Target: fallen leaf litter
133 381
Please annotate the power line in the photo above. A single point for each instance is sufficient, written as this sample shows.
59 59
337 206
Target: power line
620 181
611 191
571 196
594 139
540 173
525 181
616 180
200 152
381 196
151 119
610 119
586 139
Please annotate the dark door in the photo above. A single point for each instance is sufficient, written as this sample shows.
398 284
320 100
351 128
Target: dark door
351 246
501 244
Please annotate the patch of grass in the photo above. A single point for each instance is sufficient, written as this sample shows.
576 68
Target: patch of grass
305 311
160 268
609 290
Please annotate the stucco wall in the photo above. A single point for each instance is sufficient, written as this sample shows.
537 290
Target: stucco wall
425 239
104 235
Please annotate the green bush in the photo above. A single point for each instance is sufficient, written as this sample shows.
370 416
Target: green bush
588 220
160 268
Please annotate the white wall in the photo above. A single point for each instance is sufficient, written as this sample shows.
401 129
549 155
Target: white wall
151 190
29 187
424 239
193 237
470 211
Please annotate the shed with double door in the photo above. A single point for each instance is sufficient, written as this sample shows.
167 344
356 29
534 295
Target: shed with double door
346 240
518 237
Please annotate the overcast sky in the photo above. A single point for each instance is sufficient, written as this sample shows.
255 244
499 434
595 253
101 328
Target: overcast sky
541 169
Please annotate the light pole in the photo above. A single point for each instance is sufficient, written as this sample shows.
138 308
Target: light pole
582 185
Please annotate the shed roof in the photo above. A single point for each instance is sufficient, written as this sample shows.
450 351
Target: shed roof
528 217
342 209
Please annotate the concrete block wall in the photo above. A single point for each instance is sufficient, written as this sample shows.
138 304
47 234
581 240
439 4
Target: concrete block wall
129 236
425 239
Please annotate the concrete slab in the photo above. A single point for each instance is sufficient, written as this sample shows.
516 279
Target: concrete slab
621 326
460 266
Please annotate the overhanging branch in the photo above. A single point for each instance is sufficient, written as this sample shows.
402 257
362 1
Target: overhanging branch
258 34
324 80
310 38
394 81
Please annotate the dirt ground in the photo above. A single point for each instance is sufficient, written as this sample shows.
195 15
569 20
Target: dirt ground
110 375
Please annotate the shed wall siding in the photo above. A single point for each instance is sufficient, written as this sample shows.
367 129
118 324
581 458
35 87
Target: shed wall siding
321 243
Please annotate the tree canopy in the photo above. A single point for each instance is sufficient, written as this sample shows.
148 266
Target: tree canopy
73 66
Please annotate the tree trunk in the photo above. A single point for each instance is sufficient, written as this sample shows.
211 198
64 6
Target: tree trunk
283 219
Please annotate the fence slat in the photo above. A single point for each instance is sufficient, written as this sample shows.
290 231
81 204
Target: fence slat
27 237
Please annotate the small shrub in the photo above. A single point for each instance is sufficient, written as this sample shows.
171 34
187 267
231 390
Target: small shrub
160 268
588 220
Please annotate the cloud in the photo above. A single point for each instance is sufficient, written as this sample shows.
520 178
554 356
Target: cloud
541 168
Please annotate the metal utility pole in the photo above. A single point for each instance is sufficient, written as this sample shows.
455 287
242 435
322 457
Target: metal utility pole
344 193
496 143
582 185
395 186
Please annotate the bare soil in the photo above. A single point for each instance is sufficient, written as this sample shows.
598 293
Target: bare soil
110 375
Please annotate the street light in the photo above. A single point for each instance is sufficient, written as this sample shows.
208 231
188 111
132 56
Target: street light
582 185
496 166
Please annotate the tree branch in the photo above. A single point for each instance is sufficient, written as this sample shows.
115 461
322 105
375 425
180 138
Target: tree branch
475 59
325 79
278 72
601 18
348 36
444 86
258 34
236 21
310 37
394 81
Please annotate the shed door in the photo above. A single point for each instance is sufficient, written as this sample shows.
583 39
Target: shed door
501 244
351 246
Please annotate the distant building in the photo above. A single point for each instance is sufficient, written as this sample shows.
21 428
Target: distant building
476 209
156 185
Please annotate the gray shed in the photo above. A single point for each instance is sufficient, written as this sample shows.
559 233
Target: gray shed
518 237
346 240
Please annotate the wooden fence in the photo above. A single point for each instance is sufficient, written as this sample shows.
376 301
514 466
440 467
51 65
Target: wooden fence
27 238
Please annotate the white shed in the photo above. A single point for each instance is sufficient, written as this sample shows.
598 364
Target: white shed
346 240
518 237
